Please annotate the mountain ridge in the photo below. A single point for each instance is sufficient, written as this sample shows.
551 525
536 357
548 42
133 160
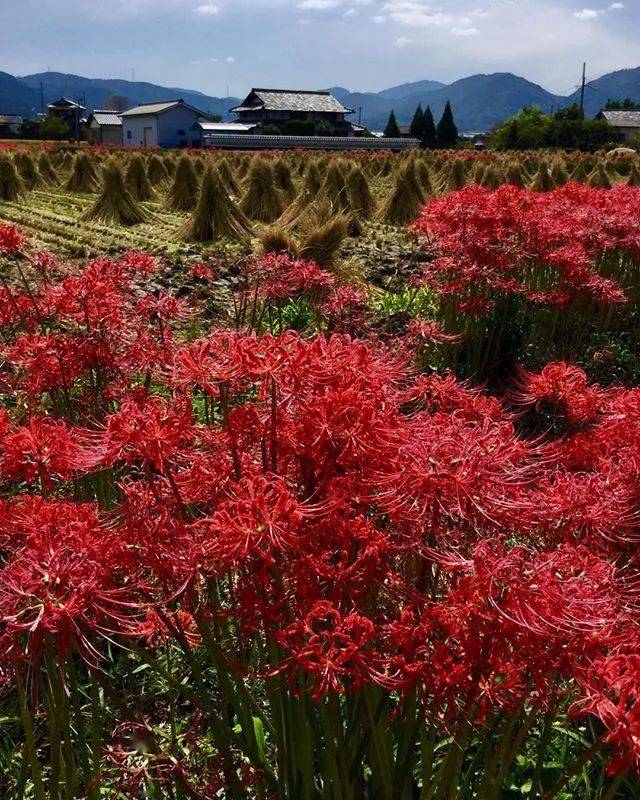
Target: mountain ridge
479 101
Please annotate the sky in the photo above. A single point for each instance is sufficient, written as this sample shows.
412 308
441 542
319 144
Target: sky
223 47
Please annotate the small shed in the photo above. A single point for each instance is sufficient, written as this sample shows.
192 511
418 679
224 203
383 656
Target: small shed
625 125
10 124
164 124
104 127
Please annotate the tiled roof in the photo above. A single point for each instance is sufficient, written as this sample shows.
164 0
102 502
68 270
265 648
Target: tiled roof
64 102
623 119
10 119
156 108
105 117
292 100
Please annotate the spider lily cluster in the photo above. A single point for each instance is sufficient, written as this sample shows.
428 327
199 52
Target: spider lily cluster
517 253
257 564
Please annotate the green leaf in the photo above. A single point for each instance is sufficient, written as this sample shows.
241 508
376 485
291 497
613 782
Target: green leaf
258 729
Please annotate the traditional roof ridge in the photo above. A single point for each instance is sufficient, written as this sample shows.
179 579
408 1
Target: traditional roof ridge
294 91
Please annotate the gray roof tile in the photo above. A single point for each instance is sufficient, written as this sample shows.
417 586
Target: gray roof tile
292 100
622 119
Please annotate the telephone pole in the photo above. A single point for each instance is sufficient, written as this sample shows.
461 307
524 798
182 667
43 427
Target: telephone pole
41 97
584 75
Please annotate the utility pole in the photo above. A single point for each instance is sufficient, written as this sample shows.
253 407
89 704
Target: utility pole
359 115
41 97
584 76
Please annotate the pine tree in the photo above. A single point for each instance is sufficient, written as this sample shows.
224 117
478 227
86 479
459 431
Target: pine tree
428 138
417 123
392 131
447 131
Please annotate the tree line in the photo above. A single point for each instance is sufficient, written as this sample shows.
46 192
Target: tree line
423 127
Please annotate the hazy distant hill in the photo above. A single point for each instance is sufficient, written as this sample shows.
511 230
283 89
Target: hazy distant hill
479 101
92 92
615 86
407 89
16 97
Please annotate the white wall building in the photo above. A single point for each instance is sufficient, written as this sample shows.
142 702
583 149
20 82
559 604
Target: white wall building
166 124
624 124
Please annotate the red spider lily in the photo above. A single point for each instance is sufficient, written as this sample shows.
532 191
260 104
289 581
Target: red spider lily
612 686
11 240
42 450
332 648
261 519
163 307
425 332
147 430
202 271
541 245
59 585
565 387
280 276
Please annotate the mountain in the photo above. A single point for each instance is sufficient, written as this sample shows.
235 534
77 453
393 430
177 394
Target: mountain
613 86
408 89
16 97
92 92
479 101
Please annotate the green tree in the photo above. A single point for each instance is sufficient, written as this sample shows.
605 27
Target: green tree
392 131
54 128
447 133
417 123
530 129
512 135
533 129
622 105
428 138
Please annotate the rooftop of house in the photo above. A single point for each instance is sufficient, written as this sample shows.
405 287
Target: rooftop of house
292 100
145 109
8 119
105 117
64 102
622 119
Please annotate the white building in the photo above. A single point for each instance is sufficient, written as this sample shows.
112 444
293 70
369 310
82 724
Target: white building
166 124
624 124
104 127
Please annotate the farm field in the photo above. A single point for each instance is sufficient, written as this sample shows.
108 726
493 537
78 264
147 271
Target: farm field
319 475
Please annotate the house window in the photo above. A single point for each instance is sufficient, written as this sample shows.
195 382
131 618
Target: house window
181 133
128 134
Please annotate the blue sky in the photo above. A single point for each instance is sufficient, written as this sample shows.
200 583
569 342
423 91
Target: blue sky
365 45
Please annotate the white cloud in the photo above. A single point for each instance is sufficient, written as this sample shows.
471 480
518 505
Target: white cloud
379 19
230 59
318 5
207 9
401 41
586 14
350 12
415 13
465 31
